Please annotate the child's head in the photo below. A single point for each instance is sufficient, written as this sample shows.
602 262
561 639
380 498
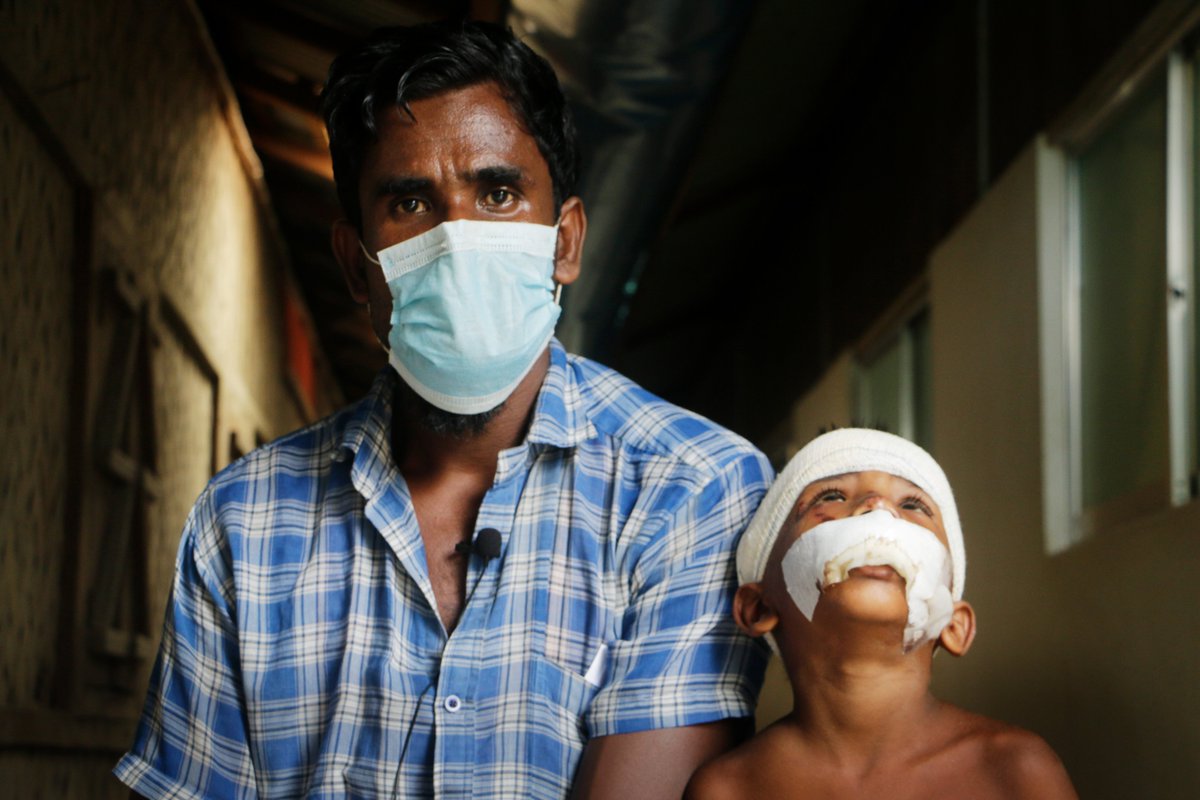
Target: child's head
816 526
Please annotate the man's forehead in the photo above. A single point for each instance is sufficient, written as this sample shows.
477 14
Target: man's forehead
473 128
476 104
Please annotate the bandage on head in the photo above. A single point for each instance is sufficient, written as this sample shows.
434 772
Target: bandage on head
838 453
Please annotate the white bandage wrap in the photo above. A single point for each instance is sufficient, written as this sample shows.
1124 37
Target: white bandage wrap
837 453
825 555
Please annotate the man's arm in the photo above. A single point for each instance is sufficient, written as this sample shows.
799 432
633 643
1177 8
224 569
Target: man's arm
653 764
194 695
682 678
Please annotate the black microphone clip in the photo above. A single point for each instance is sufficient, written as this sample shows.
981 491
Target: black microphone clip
486 545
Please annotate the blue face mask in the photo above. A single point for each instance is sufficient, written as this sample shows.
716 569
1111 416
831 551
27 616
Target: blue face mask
473 306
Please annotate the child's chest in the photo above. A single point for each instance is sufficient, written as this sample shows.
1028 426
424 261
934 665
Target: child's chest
949 775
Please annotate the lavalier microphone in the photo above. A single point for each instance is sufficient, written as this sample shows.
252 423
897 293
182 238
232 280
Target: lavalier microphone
486 545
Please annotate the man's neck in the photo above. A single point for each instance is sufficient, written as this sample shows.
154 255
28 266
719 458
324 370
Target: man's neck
424 453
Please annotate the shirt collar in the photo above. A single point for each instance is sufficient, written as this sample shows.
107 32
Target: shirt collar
369 422
560 415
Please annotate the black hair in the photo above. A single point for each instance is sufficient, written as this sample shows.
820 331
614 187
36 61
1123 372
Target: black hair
398 65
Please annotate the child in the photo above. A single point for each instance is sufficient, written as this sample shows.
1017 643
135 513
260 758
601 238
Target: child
853 569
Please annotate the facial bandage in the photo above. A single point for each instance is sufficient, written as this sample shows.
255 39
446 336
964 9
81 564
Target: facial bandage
837 453
825 555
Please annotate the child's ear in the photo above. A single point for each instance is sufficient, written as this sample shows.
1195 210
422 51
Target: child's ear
958 634
752 612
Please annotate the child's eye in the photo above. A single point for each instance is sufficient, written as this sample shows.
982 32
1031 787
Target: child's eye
820 496
829 495
915 503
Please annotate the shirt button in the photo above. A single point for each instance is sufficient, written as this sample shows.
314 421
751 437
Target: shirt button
452 703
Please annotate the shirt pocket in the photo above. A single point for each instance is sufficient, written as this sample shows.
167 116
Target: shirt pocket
562 698
573 620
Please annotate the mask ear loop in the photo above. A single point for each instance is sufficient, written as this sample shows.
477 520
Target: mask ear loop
367 253
557 286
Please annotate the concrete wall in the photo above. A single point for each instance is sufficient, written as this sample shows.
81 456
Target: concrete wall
1096 648
128 185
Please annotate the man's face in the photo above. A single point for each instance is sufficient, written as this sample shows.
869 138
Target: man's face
464 156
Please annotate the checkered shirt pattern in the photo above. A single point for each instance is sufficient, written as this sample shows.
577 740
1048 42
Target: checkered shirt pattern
303 656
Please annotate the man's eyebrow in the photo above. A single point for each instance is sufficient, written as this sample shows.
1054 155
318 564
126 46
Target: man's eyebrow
389 187
498 175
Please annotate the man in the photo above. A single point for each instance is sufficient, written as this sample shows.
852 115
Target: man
507 572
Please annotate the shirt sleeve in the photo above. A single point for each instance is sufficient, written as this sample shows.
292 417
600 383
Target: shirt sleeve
681 659
191 741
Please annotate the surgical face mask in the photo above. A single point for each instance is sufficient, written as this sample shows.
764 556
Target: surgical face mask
473 306
824 556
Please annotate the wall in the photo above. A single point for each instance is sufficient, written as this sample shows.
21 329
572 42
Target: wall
828 174
1096 649
132 205
830 403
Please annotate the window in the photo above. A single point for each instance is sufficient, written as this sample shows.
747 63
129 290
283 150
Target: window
1118 267
1118 190
892 381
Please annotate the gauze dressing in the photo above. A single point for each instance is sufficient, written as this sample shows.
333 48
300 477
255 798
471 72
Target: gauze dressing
825 555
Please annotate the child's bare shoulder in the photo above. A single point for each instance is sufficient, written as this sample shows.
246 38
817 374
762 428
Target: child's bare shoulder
1017 761
738 773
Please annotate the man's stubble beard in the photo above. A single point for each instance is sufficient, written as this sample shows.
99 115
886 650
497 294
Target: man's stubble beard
458 426
442 422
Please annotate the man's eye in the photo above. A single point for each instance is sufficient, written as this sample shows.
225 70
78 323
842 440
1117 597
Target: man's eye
410 205
498 197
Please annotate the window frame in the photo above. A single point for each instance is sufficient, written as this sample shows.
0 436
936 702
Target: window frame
1161 40
893 327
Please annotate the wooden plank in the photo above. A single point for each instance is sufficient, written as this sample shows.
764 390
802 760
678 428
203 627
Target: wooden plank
55 730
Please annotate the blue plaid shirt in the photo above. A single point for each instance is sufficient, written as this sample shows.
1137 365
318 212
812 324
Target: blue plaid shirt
303 655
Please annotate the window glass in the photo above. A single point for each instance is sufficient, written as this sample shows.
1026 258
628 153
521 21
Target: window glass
1194 61
880 390
922 382
894 386
1122 240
